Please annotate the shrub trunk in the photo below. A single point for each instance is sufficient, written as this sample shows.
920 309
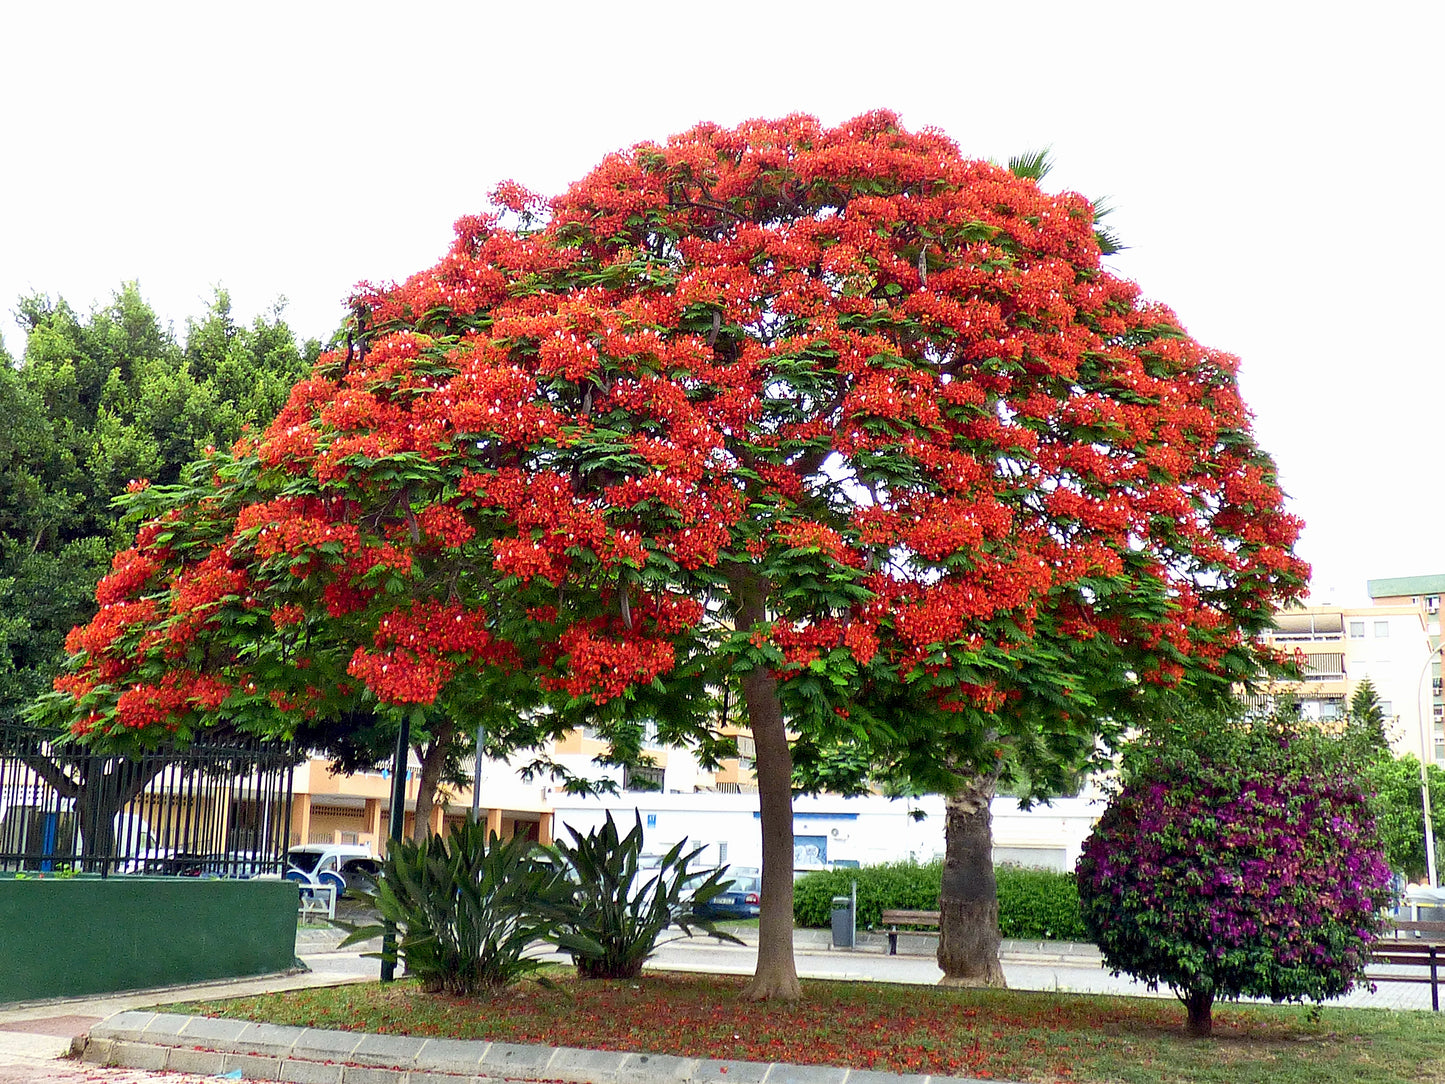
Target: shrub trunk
607 969
1201 1013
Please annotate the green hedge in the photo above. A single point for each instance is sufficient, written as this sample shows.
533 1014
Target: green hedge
897 884
1039 905
1033 904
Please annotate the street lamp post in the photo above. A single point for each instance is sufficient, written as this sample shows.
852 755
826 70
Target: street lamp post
477 774
1425 735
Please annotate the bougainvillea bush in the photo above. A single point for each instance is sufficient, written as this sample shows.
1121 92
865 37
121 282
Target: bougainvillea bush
1239 858
834 421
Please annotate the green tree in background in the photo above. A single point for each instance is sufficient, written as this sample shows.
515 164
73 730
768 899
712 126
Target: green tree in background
1394 784
1365 723
1399 813
96 401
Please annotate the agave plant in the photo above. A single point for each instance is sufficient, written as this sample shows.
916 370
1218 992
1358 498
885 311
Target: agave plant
467 909
620 907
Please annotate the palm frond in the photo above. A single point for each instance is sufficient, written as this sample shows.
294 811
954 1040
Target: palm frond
1109 241
1033 165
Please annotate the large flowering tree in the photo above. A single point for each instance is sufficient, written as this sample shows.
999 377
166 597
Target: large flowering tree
834 416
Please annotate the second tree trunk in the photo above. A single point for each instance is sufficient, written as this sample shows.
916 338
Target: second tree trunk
968 927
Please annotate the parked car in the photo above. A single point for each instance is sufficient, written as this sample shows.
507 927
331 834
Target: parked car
738 899
347 867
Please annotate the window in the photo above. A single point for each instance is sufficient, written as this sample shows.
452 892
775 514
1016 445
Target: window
1439 712
1357 630
1387 708
642 778
1382 628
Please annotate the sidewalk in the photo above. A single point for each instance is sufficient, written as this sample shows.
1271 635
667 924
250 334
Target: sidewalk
34 1034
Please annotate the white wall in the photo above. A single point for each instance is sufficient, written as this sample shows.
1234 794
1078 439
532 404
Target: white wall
1393 662
869 830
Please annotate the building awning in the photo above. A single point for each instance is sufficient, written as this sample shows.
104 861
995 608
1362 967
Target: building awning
1308 624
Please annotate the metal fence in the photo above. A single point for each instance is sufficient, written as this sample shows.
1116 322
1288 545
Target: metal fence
204 810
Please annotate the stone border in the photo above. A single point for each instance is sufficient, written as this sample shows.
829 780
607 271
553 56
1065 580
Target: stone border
208 1046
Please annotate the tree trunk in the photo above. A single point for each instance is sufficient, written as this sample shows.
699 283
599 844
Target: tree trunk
96 810
1201 1013
106 787
433 758
968 928
776 975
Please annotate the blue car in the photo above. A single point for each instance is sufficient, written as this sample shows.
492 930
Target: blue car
738 899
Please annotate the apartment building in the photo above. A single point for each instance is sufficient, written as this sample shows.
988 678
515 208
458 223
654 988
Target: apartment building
356 808
1387 643
1425 592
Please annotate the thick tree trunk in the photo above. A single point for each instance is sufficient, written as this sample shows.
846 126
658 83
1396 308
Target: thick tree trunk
433 759
776 975
1201 1013
968 929
106 788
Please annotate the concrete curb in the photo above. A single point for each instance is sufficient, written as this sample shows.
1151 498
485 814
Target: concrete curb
202 1045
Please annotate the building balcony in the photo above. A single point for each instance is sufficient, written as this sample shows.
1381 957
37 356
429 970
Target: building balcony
1296 628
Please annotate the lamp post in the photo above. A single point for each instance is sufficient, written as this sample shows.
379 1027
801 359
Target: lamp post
477 774
1425 735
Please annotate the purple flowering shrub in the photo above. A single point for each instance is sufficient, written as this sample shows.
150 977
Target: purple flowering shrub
1239 858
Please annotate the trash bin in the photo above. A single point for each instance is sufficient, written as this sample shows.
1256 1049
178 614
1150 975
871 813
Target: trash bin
844 926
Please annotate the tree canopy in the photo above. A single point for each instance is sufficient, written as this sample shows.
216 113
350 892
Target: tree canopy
96 401
833 415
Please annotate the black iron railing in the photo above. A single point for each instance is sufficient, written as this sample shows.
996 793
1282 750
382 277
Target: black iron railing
208 809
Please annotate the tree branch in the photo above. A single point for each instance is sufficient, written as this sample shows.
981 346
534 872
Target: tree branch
53 774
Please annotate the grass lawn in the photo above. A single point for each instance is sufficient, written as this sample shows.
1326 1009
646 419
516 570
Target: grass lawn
1018 1035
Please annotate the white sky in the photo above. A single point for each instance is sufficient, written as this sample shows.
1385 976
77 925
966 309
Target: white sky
1271 164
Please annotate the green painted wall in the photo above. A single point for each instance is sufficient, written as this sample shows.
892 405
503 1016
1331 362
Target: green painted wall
87 935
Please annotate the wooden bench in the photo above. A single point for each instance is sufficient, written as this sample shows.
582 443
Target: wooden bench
1412 944
894 919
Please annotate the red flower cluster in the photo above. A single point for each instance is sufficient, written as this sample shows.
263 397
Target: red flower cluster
415 651
158 705
599 661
